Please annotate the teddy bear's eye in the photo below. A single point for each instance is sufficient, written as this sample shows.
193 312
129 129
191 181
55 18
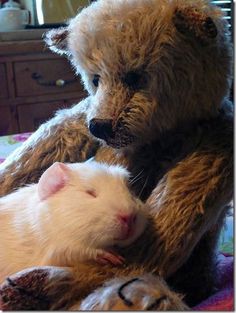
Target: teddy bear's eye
96 78
133 80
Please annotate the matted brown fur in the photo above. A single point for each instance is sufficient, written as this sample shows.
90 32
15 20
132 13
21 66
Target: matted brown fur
172 128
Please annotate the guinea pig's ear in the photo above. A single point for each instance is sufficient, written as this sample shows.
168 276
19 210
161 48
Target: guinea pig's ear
193 22
52 180
56 40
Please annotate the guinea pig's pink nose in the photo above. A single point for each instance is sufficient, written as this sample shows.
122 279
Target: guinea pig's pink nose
127 221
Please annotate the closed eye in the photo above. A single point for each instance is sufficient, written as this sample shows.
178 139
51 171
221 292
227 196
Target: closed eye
91 192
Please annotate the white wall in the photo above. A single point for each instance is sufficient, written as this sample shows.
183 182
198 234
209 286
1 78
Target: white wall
56 11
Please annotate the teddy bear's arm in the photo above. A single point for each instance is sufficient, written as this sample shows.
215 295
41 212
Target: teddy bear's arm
65 138
190 199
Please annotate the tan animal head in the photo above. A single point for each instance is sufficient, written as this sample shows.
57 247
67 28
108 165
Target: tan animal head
149 65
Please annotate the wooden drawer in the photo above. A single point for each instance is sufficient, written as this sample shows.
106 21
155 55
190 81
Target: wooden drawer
31 116
3 82
44 77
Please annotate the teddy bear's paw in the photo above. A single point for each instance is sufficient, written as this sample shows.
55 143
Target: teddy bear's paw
23 290
140 293
33 288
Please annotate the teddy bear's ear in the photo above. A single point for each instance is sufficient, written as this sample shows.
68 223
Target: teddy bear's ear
56 39
190 21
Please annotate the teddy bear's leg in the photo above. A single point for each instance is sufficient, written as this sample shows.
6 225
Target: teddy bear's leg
145 292
64 138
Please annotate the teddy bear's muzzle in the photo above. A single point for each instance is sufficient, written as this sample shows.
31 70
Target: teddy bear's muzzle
101 128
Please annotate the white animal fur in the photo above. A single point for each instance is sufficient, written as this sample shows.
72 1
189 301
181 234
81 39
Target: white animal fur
73 224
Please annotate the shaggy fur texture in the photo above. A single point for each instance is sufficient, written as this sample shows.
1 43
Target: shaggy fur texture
158 74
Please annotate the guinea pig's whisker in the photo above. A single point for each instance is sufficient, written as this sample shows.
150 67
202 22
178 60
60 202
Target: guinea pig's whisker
144 185
136 178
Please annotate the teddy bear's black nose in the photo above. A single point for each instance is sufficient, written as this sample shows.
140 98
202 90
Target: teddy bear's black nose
101 128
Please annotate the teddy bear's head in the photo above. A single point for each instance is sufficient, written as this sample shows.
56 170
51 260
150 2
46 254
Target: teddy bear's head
149 65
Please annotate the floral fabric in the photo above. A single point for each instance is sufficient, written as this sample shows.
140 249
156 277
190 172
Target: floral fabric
10 143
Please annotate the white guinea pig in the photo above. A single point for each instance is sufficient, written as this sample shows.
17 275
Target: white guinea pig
76 212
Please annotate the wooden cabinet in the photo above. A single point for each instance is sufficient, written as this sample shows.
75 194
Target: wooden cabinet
8 121
34 84
31 116
3 82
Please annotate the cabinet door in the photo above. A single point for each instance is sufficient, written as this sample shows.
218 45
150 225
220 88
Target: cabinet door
31 116
8 121
73 102
3 82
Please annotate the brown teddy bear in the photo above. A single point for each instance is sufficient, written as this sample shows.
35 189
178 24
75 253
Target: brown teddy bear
158 73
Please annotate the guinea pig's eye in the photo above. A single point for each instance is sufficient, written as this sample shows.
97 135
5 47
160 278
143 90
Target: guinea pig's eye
91 192
134 80
95 80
